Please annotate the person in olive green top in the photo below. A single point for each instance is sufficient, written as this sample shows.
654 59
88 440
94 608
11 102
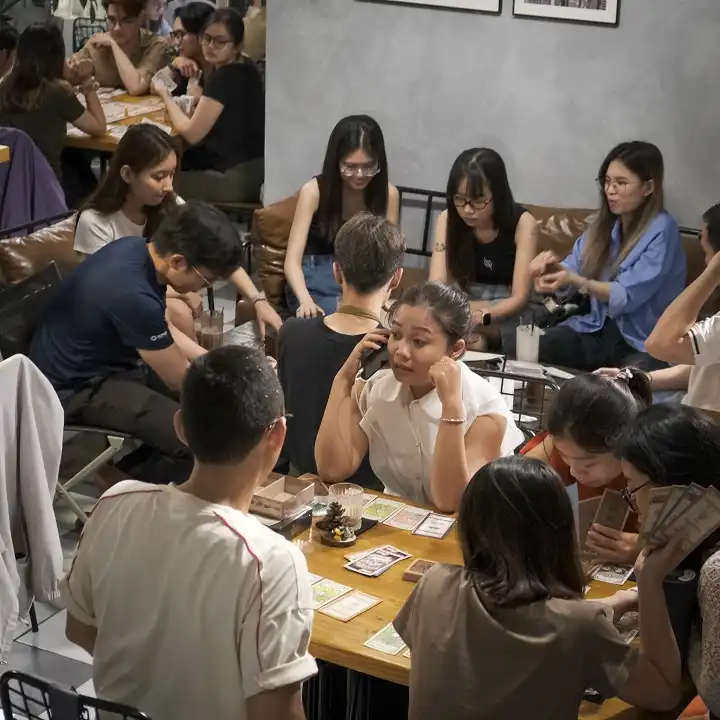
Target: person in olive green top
34 97
128 55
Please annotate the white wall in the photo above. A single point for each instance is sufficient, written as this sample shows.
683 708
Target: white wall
551 97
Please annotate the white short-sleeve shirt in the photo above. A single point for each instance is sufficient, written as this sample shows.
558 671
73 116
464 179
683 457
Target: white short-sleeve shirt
197 606
704 384
402 432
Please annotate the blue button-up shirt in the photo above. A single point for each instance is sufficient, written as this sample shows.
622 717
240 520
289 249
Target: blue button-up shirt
650 278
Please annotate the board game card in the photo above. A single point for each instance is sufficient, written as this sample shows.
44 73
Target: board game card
693 495
613 574
407 653
407 518
314 578
658 498
348 606
434 526
381 509
628 627
356 555
378 561
386 641
417 569
368 498
613 511
327 590
587 510
700 521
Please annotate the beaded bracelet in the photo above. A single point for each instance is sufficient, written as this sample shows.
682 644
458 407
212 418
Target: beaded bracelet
453 421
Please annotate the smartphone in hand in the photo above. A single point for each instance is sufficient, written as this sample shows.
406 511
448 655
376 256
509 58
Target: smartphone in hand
373 360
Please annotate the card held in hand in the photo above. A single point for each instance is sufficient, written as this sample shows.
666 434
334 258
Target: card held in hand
613 574
613 511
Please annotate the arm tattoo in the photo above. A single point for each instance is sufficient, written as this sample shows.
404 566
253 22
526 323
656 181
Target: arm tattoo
440 246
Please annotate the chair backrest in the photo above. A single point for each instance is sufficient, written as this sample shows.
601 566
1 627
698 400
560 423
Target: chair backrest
84 29
26 696
21 307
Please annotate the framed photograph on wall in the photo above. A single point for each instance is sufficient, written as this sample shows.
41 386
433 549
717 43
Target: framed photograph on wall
596 12
483 6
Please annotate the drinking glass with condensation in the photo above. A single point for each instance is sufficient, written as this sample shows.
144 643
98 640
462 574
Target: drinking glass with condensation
528 339
210 331
350 496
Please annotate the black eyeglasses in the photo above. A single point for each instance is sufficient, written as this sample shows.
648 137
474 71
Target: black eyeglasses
629 496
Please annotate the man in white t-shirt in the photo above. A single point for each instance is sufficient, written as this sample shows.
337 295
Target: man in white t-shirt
190 607
693 346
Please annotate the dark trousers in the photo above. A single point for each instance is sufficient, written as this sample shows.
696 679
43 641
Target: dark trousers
138 404
606 347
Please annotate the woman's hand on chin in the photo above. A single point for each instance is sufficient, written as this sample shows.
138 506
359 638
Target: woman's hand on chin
447 379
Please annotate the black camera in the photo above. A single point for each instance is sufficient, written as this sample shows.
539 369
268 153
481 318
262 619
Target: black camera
577 303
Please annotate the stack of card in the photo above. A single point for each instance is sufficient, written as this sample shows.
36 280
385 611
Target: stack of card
377 561
688 510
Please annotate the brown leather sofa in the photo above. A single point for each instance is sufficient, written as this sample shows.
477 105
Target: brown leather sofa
558 229
23 257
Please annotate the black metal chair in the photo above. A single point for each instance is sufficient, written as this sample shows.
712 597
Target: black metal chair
21 307
26 696
430 200
84 29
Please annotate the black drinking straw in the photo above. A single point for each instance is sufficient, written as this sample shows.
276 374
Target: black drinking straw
211 299
532 326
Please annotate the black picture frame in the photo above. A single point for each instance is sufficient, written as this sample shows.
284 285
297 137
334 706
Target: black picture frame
572 16
439 5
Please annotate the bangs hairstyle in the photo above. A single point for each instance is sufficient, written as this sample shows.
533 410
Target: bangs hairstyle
712 219
673 445
230 399
448 306
517 533
141 148
646 161
355 132
593 411
485 173
39 62
368 250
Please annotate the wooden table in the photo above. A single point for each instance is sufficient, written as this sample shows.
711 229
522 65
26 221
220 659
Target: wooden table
108 143
4 154
342 643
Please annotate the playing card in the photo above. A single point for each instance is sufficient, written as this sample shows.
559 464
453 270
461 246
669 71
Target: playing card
434 526
658 498
314 578
628 627
700 521
368 498
327 590
407 653
613 574
666 527
417 569
356 555
378 561
407 518
349 606
164 77
677 492
381 509
613 511
587 509
386 641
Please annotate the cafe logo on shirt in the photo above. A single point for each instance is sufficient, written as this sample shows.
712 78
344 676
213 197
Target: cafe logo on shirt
155 338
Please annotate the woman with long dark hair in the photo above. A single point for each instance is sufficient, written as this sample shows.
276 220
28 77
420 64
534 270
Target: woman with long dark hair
510 634
135 192
484 242
630 263
354 178
34 97
587 419
678 446
226 131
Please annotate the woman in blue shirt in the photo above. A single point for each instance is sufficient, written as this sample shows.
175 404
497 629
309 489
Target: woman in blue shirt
630 262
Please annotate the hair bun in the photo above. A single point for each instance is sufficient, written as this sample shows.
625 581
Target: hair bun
638 382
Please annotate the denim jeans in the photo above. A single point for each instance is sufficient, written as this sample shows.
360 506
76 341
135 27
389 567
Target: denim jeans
320 283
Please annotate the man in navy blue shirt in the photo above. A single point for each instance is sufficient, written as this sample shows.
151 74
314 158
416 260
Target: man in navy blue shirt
105 343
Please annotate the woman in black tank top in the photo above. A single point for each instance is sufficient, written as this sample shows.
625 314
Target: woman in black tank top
354 178
484 242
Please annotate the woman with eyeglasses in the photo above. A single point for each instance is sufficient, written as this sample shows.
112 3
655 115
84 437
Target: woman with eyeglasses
588 417
630 263
226 132
190 63
354 178
678 446
509 634
484 242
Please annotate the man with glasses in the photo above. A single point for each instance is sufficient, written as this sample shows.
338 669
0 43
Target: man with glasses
190 608
128 55
105 344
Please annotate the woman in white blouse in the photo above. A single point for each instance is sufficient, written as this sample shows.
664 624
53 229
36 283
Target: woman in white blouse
428 422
